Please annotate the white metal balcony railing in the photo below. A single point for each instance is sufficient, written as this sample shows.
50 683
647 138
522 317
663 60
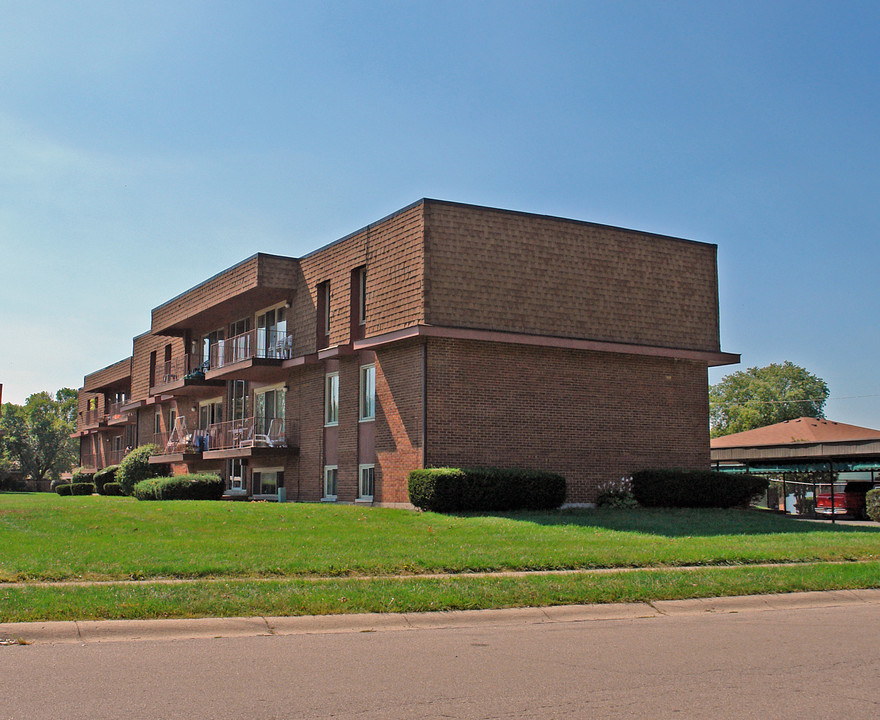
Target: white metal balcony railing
250 432
177 442
257 343
232 434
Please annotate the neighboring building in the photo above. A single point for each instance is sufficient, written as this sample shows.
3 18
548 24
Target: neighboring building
804 445
443 334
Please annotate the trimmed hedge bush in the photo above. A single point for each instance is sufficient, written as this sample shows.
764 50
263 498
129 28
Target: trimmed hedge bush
695 488
81 476
107 475
82 488
872 504
202 486
112 488
136 467
480 489
63 488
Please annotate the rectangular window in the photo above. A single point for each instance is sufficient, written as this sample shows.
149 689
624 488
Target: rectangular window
238 400
366 481
331 399
239 346
368 392
330 475
267 482
157 423
269 427
272 333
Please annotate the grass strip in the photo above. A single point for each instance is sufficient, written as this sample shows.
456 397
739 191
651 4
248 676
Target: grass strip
47 537
297 596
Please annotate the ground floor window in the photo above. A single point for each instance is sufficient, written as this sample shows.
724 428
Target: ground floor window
366 481
330 476
266 481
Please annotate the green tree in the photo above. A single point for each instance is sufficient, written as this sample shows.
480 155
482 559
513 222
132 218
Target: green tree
756 397
37 434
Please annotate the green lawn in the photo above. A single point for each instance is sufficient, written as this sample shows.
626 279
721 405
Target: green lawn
316 554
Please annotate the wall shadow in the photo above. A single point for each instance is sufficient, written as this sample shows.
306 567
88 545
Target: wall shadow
680 522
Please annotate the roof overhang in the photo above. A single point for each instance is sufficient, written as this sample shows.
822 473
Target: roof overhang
260 281
711 358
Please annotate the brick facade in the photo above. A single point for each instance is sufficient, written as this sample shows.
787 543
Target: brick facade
496 337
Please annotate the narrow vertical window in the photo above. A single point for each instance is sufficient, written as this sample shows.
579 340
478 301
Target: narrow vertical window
331 399
366 481
330 475
153 369
362 295
358 308
322 308
368 392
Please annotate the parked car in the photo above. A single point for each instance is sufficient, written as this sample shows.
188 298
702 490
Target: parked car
850 502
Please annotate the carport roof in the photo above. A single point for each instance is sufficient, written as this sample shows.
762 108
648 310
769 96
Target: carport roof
804 430
799 445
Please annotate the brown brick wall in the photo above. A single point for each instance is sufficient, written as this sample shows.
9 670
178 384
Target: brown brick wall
500 270
590 416
398 419
305 400
392 252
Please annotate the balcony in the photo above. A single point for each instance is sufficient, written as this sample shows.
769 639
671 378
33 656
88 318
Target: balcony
251 437
89 461
114 457
178 446
254 355
184 375
116 415
90 419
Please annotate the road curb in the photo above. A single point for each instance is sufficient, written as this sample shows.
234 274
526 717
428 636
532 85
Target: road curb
105 631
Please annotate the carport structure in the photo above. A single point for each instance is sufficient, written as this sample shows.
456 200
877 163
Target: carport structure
802 454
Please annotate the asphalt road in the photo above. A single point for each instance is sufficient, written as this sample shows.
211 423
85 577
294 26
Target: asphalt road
735 661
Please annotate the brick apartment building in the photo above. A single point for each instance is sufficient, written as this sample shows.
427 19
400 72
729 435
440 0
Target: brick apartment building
443 334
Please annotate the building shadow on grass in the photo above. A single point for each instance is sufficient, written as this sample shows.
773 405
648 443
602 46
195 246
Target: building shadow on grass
682 522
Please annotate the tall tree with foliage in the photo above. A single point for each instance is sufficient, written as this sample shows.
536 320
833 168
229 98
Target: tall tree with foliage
37 434
756 397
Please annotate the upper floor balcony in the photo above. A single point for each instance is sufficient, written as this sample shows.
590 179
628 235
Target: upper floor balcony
245 437
255 355
251 437
183 375
117 415
90 419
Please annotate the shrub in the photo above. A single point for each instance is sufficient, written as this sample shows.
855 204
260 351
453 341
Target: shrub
112 488
63 488
82 488
695 488
81 476
107 475
479 489
617 494
136 467
872 504
202 486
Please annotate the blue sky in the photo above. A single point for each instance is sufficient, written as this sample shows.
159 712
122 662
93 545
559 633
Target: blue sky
146 146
